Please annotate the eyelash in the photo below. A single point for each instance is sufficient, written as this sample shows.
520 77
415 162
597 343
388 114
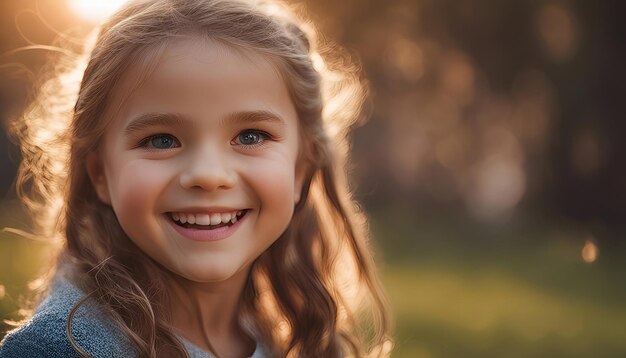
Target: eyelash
264 137
144 142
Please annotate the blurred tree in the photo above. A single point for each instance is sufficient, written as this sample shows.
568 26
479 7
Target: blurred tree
590 172
479 105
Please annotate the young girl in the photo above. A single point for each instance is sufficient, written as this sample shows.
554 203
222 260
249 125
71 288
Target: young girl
198 185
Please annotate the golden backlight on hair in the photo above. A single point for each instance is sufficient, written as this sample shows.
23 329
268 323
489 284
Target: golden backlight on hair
95 10
315 292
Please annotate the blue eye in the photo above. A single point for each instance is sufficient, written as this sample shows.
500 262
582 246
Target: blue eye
251 137
160 141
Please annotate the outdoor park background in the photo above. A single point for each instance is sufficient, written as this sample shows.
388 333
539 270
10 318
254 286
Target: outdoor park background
492 166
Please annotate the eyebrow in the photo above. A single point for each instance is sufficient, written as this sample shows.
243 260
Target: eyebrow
254 117
147 120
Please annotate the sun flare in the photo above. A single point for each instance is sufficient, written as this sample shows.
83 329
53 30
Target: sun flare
95 10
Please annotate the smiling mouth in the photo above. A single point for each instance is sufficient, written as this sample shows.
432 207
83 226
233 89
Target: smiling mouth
175 217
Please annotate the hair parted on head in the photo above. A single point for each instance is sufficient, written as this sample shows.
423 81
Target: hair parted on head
314 292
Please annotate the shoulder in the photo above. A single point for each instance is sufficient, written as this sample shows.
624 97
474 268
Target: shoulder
45 334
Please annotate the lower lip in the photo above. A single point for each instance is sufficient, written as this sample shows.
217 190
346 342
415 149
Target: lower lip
207 235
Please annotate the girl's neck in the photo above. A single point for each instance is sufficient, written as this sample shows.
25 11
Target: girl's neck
207 315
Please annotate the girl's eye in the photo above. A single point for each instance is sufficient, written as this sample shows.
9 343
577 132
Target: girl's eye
160 141
251 137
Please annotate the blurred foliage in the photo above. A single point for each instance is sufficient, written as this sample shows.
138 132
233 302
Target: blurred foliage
491 166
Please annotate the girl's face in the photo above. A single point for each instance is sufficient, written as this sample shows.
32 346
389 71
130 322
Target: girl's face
210 138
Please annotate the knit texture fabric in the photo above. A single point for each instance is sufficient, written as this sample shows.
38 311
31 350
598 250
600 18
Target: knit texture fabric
44 335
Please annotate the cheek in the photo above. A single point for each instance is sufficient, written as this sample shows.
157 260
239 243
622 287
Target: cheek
273 183
135 187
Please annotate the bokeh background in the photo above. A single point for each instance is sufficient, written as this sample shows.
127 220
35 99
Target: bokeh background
492 166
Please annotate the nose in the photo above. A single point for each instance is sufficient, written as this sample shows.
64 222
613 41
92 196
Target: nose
208 170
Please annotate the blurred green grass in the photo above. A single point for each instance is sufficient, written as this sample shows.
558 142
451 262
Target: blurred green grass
460 291
447 312
518 290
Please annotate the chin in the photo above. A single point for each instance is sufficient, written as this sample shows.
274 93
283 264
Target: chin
208 274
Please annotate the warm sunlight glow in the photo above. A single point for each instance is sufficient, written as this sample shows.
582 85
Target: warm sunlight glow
95 10
590 252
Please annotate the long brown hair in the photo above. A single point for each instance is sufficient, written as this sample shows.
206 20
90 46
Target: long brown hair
315 292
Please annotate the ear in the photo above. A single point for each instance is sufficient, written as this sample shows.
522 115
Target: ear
302 172
96 174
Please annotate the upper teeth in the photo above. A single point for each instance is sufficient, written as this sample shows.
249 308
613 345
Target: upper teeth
208 219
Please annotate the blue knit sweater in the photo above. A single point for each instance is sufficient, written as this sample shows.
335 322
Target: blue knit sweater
45 334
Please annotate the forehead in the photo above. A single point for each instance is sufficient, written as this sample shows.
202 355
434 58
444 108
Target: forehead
198 60
189 70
